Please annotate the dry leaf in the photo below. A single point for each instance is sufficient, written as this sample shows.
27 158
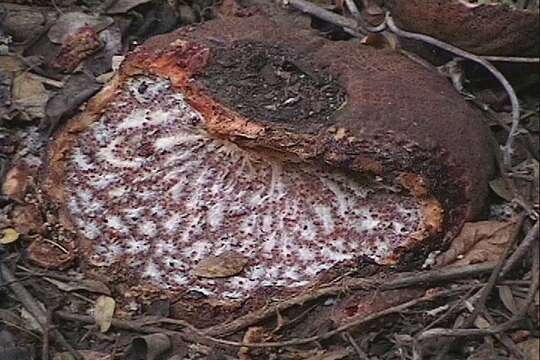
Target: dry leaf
332 355
12 348
507 298
531 348
518 336
500 188
533 310
69 23
478 242
17 182
528 189
30 96
88 285
188 16
483 352
11 64
103 61
30 321
24 23
26 86
482 323
9 236
77 89
104 312
226 264
530 168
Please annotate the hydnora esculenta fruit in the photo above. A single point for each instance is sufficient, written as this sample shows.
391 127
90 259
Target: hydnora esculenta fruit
244 157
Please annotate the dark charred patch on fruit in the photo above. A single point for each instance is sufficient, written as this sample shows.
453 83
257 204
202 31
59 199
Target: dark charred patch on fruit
270 83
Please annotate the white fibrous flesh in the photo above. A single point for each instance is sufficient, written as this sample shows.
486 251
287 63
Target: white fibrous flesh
152 190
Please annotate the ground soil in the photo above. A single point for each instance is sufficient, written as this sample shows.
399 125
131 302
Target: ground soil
274 85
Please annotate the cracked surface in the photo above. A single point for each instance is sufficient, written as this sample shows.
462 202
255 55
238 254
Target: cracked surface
154 192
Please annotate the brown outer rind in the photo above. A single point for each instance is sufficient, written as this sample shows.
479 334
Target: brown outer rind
390 126
490 29
394 106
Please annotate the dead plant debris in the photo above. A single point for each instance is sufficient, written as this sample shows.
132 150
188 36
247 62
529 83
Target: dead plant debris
477 299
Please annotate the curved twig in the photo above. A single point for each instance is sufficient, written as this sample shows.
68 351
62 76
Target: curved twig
318 12
479 60
344 22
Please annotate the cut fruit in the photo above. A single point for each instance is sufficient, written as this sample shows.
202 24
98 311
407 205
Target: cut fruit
189 175
154 191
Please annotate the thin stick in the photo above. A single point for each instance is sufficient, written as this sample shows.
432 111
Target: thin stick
438 276
352 8
522 250
45 346
240 323
328 16
512 59
533 290
468 332
344 22
509 182
417 279
265 313
28 301
505 339
23 279
338 20
450 311
361 354
195 333
480 303
355 323
297 319
477 59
